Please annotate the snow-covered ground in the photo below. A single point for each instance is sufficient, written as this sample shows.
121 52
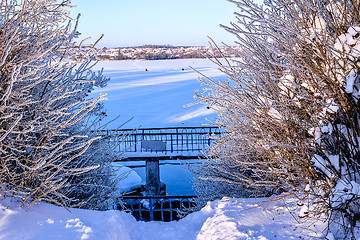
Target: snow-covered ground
222 219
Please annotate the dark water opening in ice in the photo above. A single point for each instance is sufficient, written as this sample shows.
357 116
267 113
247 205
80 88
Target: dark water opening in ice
174 174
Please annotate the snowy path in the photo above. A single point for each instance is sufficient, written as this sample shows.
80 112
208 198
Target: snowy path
223 219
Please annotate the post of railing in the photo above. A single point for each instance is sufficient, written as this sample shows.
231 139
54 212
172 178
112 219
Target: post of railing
151 209
209 138
192 142
135 143
171 210
177 140
120 145
162 210
140 209
171 143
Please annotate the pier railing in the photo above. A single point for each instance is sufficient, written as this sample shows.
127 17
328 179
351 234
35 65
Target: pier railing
157 208
153 145
164 140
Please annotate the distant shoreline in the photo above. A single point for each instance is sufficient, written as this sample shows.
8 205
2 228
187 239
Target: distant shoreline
163 52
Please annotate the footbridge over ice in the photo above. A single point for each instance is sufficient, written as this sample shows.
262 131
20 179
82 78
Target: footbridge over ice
153 145
162 143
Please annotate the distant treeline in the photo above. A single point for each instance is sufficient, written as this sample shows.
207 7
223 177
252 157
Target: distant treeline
158 52
161 46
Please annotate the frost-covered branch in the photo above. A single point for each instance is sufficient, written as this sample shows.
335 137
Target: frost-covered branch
45 114
290 108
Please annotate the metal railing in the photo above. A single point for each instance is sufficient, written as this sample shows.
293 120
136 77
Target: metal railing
164 140
155 144
156 208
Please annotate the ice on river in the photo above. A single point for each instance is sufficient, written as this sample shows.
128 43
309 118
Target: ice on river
154 93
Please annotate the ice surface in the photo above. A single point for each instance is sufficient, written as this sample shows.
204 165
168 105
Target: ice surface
156 97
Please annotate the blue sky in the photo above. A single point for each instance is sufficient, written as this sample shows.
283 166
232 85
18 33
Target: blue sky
138 22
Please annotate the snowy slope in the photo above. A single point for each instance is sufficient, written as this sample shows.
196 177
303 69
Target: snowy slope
222 219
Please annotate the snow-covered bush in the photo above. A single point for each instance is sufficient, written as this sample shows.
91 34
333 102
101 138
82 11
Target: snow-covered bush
44 132
290 107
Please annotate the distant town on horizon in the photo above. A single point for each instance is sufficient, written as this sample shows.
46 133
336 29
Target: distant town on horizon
159 52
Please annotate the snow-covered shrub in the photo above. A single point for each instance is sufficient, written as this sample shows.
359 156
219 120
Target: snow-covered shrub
44 134
290 108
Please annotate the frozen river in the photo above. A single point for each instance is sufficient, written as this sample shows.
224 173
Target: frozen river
154 93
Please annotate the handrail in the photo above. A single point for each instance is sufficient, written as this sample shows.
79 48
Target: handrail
158 197
157 128
168 140
168 133
158 208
